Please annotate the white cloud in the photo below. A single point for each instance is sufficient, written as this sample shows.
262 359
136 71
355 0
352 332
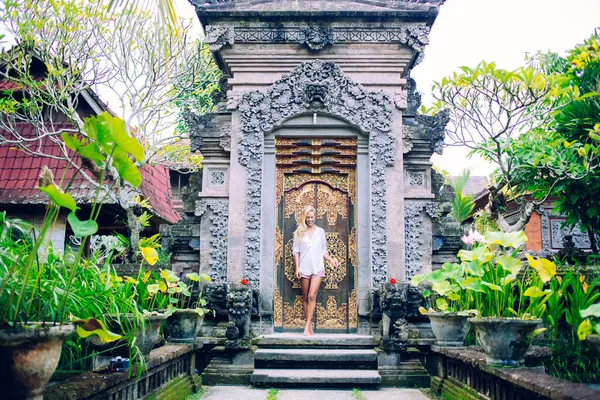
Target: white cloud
468 31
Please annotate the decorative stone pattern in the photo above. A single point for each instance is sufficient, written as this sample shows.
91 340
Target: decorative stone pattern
317 37
416 179
197 126
435 128
219 221
414 244
398 302
233 100
261 111
217 178
239 307
408 133
217 36
225 137
401 100
553 233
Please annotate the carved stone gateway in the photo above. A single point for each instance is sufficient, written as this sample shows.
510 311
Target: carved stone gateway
318 102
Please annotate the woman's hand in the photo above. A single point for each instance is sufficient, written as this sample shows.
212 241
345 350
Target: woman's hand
297 274
334 262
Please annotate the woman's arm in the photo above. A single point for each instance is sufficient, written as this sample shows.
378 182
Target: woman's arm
296 253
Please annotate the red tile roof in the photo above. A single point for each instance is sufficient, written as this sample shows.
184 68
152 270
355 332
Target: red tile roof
19 174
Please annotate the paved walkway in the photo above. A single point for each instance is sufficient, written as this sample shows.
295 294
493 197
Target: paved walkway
247 393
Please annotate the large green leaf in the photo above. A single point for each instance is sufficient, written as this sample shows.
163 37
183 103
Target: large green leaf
61 199
509 263
545 268
506 239
474 284
93 326
126 168
82 228
92 151
591 311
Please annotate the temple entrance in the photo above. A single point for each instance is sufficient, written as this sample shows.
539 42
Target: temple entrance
322 173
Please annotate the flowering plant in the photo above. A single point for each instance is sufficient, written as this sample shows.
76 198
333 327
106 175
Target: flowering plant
244 281
500 283
393 281
473 237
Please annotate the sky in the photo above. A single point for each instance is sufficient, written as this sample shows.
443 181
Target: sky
468 31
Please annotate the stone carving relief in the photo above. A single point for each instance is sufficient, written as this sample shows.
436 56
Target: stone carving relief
217 36
218 229
233 100
316 37
225 137
408 133
217 178
435 128
416 179
401 100
261 111
398 302
553 233
197 124
414 244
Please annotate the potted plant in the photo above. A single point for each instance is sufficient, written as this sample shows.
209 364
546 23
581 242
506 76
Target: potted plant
508 293
38 289
450 303
185 321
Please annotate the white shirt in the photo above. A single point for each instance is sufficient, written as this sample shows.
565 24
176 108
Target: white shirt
311 251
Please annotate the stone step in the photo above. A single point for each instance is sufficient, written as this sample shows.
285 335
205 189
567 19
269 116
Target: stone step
316 355
315 358
315 378
323 340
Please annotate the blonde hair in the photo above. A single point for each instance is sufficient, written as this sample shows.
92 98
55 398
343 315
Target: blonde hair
301 229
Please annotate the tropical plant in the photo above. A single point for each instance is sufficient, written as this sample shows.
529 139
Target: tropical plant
591 323
501 284
448 293
462 204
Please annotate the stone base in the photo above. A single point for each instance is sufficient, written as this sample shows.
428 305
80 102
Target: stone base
402 369
453 390
229 367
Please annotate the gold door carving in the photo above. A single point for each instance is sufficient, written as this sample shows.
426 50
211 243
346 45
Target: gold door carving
321 173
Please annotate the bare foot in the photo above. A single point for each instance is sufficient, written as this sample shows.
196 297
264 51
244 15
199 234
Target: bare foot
312 332
306 333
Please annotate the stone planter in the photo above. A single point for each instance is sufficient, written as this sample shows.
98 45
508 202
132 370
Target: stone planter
184 325
449 329
504 340
28 358
594 340
145 338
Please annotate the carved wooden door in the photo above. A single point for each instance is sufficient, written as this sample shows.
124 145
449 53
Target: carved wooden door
332 193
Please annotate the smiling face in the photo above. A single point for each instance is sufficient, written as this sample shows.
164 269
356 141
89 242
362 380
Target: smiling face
310 219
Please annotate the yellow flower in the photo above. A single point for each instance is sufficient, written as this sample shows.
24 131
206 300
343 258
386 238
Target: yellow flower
150 255
581 278
585 287
597 127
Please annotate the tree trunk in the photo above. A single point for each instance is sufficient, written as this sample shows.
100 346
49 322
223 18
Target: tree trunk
496 202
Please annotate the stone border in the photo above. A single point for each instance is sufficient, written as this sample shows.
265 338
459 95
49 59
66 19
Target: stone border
465 371
261 112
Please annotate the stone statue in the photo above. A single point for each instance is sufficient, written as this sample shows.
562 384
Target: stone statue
393 305
232 332
239 307
216 297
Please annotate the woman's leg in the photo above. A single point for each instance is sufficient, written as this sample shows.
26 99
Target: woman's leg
315 284
304 285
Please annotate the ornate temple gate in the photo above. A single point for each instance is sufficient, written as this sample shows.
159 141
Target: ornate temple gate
322 173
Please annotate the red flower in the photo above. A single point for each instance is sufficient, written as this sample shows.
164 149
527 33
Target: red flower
244 281
393 281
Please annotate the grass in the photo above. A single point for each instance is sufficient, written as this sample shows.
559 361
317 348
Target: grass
427 392
272 394
198 395
357 394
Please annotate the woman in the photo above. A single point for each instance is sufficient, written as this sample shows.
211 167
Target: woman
309 249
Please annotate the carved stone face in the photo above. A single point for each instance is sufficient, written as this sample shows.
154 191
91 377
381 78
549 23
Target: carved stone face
239 299
393 298
216 293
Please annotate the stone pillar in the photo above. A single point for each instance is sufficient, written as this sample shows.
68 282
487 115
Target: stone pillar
237 207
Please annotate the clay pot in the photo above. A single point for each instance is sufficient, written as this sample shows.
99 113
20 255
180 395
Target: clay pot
28 358
504 340
184 325
449 329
